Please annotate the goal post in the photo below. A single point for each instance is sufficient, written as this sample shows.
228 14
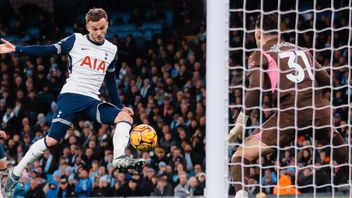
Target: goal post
217 99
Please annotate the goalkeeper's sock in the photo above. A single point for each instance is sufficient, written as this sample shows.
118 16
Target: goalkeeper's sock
121 138
34 152
236 173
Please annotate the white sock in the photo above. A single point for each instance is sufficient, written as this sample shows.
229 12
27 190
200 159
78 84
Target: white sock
121 138
34 152
241 194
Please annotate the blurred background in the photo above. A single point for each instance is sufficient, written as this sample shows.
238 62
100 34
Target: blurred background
161 75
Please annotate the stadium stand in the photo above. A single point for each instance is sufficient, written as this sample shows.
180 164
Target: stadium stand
161 75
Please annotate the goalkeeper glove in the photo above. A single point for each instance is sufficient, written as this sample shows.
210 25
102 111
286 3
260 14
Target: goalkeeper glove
237 131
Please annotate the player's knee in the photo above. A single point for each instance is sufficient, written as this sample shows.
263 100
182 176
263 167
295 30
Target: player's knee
123 116
50 142
238 153
245 154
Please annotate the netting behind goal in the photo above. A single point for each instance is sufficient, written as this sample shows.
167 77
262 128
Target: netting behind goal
305 166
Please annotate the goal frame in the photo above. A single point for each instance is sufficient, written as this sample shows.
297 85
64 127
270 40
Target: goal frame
217 61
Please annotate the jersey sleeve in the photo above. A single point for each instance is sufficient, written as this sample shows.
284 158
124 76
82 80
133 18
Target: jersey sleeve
65 45
255 63
322 77
62 47
112 66
110 83
253 93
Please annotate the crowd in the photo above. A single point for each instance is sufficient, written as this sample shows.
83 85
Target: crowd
163 81
307 164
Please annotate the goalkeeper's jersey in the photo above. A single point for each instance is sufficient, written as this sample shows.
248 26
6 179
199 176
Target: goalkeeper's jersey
290 74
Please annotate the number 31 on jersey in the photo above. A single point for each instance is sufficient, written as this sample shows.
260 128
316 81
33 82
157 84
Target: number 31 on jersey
292 57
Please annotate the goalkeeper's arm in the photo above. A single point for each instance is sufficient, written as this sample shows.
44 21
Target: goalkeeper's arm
251 100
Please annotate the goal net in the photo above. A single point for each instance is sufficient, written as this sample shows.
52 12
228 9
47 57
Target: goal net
305 166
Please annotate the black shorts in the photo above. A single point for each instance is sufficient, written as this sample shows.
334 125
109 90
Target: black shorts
70 105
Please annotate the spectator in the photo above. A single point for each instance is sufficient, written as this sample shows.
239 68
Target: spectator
65 189
163 188
132 189
35 189
84 185
102 190
53 189
182 188
194 187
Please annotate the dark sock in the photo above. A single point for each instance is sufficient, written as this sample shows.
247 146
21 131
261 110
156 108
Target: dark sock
236 173
340 155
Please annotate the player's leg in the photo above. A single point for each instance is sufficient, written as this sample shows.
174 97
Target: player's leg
107 113
259 143
340 148
62 120
248 152
340 151
56 133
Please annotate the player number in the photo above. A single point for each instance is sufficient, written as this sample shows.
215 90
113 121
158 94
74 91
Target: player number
292 56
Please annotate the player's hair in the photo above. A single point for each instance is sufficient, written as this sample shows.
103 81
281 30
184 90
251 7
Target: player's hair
270 23
95 14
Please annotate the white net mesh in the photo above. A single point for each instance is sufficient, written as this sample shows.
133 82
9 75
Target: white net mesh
306 166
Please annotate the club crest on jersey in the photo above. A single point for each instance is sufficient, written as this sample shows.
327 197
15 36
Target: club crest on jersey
94 63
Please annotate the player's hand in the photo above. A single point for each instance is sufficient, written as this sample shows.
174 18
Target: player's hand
6 47
128 110
237 131
3 134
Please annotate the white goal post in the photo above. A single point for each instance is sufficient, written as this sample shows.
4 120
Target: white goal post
217 98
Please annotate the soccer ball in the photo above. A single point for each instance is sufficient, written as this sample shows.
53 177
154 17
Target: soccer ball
143 137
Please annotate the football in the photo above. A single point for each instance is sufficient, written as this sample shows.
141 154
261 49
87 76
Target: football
143 137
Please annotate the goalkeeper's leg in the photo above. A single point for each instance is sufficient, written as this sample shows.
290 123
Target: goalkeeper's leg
260 142
340 155
248 152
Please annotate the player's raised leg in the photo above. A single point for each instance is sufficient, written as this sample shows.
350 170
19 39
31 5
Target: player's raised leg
108 113
120 141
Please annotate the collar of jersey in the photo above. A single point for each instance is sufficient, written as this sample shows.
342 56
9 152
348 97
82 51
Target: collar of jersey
95 43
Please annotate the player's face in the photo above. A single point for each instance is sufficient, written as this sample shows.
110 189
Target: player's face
97 30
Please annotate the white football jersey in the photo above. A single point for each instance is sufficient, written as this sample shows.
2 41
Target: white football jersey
88 63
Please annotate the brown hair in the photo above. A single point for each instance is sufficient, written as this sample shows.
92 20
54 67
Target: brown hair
95 14
269 23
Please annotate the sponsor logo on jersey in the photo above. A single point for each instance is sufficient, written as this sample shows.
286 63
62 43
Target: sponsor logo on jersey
94 64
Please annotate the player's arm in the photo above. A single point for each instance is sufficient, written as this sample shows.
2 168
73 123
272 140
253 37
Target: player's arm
251 100
62 47
322 77
110 83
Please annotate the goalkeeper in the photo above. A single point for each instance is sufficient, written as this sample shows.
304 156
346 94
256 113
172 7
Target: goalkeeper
295 81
